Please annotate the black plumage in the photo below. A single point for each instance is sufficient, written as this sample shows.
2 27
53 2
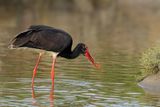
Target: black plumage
43 37
49 39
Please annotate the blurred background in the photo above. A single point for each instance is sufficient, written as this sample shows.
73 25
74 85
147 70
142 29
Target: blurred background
119 21
116 32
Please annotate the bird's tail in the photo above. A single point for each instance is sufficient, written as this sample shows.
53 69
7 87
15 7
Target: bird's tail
19 40
11 44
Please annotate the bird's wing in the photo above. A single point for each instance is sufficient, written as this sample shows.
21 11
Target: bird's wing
48 40
43 37
21 39
24 37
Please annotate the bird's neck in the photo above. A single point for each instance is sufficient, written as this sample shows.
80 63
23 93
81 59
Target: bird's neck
72 54
76 52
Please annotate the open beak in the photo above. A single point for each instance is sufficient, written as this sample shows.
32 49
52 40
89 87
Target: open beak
88 56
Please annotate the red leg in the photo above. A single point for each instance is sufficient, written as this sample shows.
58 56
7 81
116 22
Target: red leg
52 70
33 93
35 68
52 77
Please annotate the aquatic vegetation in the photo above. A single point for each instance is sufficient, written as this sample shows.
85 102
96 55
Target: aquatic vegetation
149 62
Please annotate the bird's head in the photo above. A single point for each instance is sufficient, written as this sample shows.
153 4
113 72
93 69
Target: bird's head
85 52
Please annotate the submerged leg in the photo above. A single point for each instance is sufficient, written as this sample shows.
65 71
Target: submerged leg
52 97
35 68
52 70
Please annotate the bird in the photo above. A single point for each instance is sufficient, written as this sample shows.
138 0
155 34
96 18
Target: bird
51 39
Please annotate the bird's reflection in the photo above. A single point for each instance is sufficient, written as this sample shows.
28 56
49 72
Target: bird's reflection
34 102
51 97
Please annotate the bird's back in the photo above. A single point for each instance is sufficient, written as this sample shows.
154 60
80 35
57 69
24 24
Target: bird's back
43 37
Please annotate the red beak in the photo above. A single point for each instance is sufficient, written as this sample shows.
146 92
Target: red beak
88 56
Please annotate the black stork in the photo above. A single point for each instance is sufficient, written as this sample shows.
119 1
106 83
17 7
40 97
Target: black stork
50 39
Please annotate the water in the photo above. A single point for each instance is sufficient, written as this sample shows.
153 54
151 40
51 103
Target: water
115 44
